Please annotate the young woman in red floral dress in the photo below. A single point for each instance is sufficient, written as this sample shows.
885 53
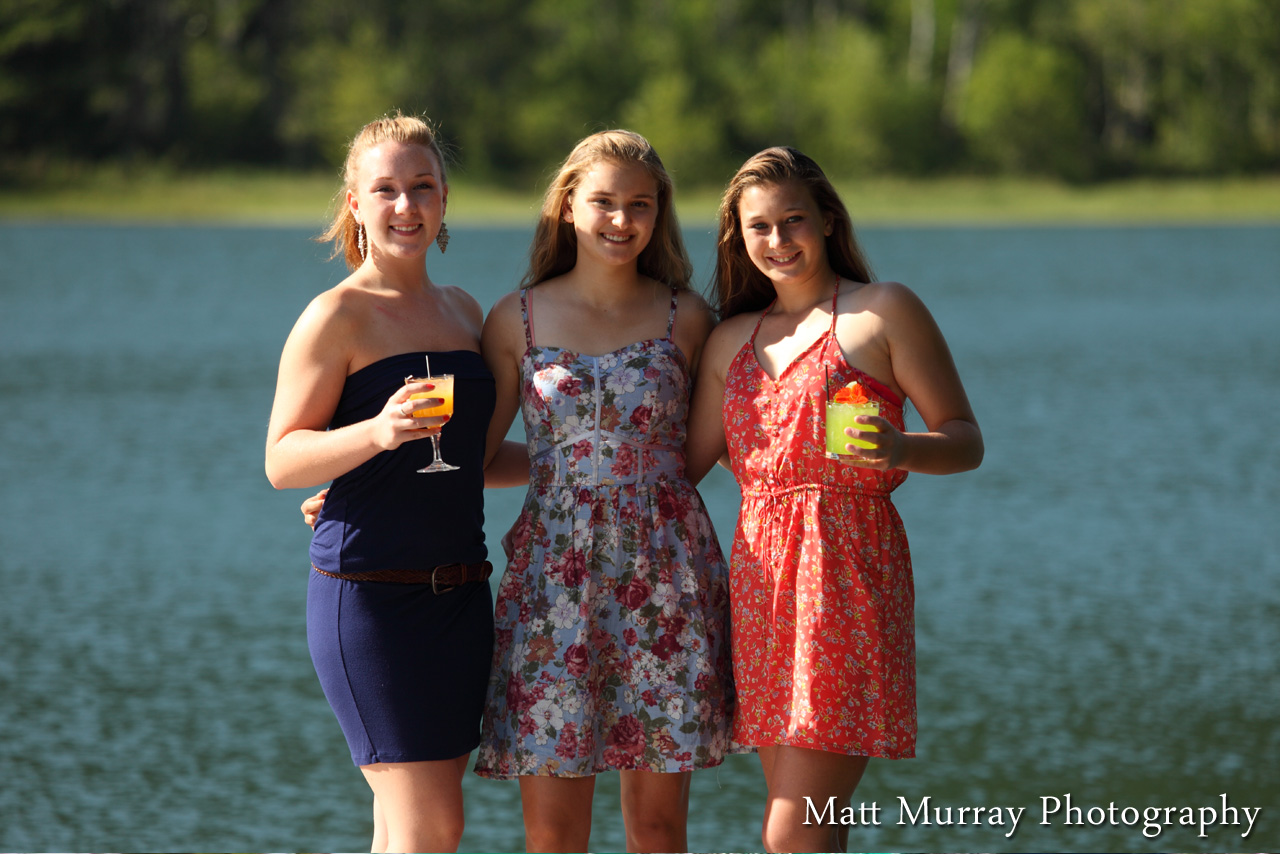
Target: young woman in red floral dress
822 601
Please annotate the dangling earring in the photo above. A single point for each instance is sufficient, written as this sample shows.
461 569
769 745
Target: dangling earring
360 238
442 237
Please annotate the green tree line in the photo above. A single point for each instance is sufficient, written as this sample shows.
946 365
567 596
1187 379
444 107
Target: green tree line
1075 89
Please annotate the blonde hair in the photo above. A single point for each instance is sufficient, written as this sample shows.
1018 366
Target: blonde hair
738 285
555 244
344 231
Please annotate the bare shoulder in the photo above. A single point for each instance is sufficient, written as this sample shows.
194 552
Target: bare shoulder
504 327
882 297
322 346
464 303
548 289
692 309
691 300
505 310
694 321
462 298
737 329
727 339
335 315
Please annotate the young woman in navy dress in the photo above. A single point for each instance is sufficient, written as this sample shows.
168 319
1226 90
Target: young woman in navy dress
399 613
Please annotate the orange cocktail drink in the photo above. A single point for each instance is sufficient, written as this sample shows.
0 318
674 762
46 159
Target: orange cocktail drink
443 389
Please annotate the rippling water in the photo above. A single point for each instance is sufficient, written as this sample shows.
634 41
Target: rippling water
1098 609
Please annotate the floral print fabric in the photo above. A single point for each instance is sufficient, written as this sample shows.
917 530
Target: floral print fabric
612 647
823 602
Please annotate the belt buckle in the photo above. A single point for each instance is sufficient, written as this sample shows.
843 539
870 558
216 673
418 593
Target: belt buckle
435 590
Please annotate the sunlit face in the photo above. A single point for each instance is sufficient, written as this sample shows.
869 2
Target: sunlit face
399 197
785 232
613 211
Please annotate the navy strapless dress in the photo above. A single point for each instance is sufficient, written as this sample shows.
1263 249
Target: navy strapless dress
405 669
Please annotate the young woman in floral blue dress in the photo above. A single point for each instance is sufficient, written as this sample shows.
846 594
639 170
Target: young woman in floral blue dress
611 648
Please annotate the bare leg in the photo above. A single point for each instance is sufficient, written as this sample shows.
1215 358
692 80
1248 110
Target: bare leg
792 773
420 803
557 812
655 810
379 829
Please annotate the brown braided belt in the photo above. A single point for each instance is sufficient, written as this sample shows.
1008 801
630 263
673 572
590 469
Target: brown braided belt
442 579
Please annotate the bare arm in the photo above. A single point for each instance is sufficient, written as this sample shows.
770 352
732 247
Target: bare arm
508 467
502 343
706 444
923 368
513 470
694 322
301 451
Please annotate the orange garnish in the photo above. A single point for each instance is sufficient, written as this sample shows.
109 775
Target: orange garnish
852 393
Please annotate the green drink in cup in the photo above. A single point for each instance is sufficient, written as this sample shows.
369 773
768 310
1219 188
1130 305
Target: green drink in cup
846 405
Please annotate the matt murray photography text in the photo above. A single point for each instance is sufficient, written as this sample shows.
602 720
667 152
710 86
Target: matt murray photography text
1053 810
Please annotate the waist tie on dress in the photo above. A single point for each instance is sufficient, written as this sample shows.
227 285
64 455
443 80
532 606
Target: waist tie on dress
780 491
771 499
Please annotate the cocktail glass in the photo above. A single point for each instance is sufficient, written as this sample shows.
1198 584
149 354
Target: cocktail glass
840 416
444 390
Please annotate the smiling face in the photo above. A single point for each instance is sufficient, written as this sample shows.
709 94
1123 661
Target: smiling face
785 232
613 211
399 197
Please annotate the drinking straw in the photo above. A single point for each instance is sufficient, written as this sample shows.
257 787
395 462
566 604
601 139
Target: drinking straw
428 366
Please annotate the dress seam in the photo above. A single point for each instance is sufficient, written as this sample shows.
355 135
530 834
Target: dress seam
346 676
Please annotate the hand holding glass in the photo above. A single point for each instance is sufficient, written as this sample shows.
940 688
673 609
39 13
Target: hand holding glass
443 390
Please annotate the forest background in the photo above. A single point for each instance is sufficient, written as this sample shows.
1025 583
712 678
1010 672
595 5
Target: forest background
110 97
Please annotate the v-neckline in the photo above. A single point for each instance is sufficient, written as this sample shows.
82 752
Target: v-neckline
799 356
789 365
883 390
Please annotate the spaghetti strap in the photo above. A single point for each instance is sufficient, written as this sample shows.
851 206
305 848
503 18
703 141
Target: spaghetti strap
834 353
671 320
831 331
527 316
760 320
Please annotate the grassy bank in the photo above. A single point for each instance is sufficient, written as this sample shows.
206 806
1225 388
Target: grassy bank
156 195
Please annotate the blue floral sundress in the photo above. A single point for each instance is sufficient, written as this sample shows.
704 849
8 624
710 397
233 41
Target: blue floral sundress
612 619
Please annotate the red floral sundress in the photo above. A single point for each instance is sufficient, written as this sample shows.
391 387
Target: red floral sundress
822 600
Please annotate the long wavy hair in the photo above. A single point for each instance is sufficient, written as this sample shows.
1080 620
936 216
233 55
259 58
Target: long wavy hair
344 231
738 285
554 251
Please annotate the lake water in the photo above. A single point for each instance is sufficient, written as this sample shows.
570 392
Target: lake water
1098 605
